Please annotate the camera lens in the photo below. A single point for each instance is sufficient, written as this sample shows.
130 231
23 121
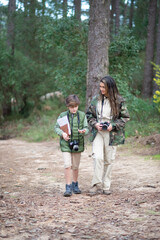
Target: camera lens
75 147
104 127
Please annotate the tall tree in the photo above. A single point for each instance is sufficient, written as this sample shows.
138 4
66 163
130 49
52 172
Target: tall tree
64 8
11 25
112 12
43 7
117 12
141 18
148 68
77 6
6 105
125 12
131 14
98 43
155 86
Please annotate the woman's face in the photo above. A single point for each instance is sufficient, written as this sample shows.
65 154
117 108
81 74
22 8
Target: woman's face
103 89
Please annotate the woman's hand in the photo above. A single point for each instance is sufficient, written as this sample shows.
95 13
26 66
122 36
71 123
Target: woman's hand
65 136
109 128
98 126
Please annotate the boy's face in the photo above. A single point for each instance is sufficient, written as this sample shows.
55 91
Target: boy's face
73 109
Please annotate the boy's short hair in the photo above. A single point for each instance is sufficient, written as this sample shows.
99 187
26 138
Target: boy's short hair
72 101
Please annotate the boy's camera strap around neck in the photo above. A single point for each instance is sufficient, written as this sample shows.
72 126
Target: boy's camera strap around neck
71 125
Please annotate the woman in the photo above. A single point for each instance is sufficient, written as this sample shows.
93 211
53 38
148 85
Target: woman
107 115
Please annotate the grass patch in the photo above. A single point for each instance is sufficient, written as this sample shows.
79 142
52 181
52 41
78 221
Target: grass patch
151 212
140 128
154 157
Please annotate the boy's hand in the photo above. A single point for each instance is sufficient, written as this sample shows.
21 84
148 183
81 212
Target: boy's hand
82 130
65 136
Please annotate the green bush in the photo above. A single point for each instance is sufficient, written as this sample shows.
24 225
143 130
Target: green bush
156 96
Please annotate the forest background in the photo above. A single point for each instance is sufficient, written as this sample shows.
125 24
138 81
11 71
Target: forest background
45 48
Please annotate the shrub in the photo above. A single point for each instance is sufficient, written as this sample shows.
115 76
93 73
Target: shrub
156 96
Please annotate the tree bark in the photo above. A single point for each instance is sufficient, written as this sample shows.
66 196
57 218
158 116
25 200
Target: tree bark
64 8
11 26
148 68
131 14
6 105
117 11
155 86
98 43
77 6
43 7
32 29
112 12
125 13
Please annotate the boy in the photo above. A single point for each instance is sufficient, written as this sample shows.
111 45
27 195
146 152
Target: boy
72 144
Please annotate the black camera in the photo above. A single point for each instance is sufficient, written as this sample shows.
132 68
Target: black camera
104 125
74 145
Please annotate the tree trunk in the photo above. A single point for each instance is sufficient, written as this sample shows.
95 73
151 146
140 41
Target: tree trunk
112 12
98 43
64 8
131 14
148 68
117 11
125 13
32 29
77 6
155 86
43 7
11 27
6 105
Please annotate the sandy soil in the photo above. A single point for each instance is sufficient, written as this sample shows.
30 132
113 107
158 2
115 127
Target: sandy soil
32 205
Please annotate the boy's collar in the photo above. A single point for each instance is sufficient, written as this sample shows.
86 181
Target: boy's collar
72 113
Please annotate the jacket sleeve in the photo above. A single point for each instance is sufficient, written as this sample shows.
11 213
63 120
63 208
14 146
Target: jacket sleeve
123 117
91 115
85 125
57 128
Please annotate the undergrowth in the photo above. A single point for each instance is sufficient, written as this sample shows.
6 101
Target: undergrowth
39 126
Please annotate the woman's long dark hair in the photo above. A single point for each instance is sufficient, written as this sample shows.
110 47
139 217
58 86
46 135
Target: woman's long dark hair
112 90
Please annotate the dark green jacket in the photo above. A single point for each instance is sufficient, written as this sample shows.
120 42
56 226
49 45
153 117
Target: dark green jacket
117 135
64 145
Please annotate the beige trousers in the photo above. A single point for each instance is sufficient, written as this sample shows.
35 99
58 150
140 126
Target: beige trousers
103 156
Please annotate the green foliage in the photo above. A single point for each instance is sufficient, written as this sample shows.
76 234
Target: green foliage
154 157
156 96
55 57
126 58
21 79
66 39
38 126
125 61
140 18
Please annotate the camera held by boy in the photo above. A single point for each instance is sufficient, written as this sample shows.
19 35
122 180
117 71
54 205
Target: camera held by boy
71 126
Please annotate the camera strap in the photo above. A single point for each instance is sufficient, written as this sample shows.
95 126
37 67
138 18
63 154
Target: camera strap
102 106
78 121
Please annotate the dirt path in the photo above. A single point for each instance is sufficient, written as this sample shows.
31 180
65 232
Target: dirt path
32 206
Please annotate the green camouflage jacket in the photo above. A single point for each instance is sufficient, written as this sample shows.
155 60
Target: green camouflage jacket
117 135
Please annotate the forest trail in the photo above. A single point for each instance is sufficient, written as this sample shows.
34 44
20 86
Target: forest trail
32 206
